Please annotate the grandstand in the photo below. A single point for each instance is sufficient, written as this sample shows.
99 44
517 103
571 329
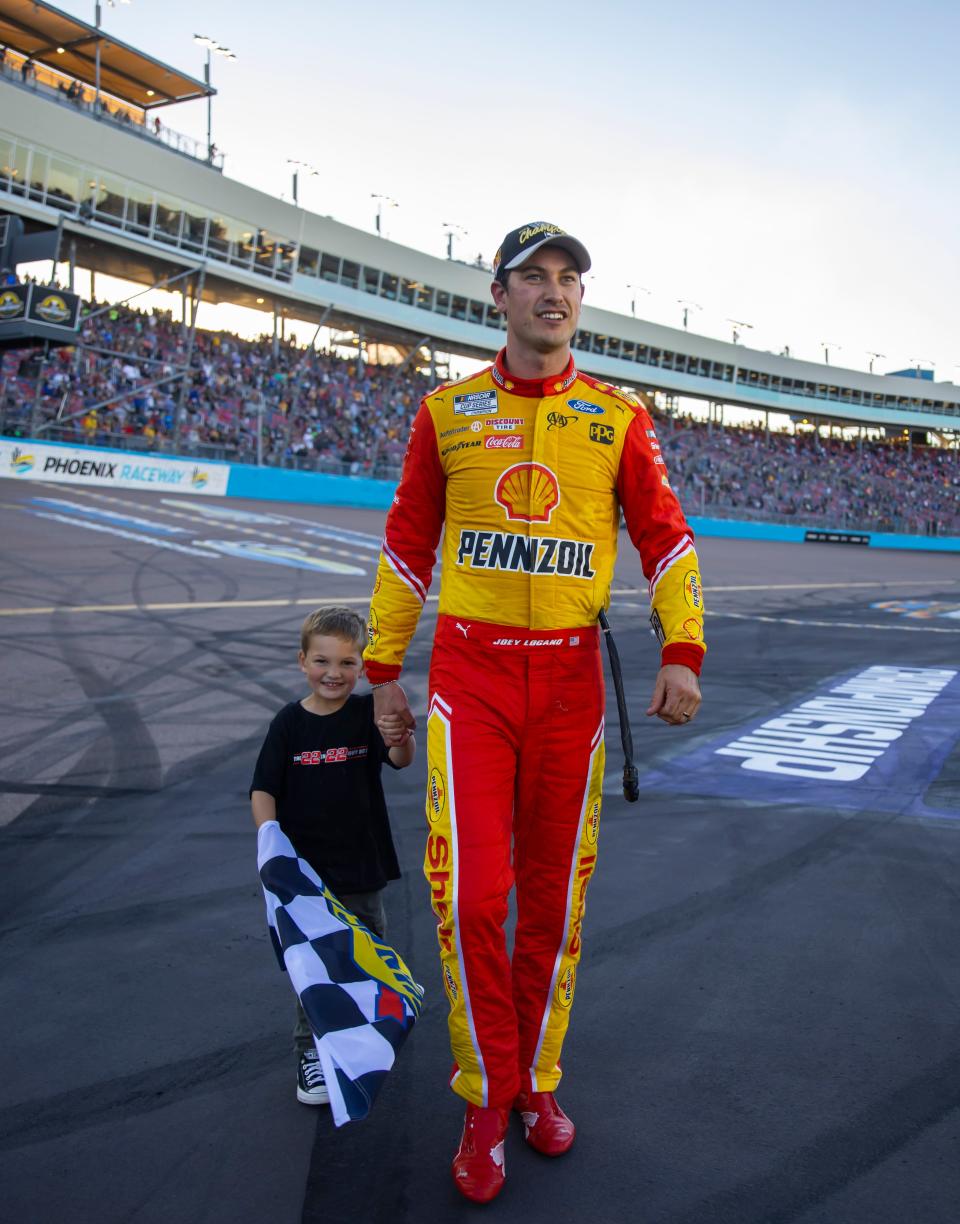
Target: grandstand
79 152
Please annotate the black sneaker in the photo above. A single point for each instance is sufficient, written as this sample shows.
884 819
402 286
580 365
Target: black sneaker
311 1086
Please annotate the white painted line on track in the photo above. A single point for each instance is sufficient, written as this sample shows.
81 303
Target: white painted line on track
225 524
823 624
154 540
199 605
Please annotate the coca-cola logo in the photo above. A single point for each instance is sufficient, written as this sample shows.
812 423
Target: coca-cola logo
504 442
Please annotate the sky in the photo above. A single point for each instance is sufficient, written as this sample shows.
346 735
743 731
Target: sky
793 170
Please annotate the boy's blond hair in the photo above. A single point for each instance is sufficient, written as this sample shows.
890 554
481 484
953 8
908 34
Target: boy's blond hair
334 621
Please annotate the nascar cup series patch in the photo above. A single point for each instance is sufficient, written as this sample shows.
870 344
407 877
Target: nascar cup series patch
476 403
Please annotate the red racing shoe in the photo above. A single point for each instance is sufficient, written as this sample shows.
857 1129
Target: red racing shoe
546 1127
478 1167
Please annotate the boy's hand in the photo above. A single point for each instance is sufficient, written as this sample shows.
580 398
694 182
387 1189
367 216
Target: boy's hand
392 714
393 730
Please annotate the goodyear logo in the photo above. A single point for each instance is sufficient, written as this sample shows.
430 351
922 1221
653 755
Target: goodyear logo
565 986
53 309
20 461
691 589
593 823
603 434
436 795
11 304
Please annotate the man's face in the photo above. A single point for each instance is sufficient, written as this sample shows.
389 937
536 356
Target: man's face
542 300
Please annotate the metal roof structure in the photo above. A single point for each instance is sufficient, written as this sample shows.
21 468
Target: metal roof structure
54 38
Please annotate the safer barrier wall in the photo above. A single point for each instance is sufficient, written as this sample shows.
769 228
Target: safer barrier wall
31 459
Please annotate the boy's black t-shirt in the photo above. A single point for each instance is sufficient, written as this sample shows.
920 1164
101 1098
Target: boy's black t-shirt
324 772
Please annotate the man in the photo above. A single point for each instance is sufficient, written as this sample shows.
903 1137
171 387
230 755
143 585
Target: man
526 466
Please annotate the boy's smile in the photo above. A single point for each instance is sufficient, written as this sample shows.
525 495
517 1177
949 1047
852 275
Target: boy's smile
333 666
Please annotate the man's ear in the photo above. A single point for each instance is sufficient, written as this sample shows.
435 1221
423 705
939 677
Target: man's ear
499 294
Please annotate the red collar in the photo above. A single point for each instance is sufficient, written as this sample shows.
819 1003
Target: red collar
538 388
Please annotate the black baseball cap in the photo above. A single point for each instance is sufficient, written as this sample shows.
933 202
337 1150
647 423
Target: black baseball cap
521 243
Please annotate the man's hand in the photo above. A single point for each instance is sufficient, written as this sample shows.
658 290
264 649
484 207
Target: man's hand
392 714
676 695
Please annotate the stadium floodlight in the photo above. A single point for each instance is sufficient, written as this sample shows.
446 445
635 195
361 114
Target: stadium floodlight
919 362
213 48
297 167
450 228
687 307
827 345
383 201
739 326
634 290
875 356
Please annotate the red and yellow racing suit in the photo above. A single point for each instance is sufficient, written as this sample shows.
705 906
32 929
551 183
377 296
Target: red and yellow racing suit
526 479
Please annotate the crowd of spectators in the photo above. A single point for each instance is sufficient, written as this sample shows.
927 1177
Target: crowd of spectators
123 386
805 478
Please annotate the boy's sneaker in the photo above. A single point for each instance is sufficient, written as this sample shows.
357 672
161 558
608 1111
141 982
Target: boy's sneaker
311 1086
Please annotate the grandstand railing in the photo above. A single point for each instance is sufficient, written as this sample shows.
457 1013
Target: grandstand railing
109 110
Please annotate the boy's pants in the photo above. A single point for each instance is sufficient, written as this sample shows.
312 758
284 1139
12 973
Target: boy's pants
368 907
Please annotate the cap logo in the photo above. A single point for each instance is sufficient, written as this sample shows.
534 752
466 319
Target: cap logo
534 231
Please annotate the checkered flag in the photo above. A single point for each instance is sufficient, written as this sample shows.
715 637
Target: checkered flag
357 993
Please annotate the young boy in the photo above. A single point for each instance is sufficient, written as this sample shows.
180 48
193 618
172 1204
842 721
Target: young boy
318 774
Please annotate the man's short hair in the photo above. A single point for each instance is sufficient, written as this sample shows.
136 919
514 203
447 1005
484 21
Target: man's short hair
334 621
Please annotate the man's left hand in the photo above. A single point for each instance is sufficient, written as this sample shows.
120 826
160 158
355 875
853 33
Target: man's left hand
676 695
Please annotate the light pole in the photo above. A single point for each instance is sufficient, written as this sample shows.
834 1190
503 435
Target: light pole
297 167
738 326
213 46
919 362
98 16
687 307
827 345
450 228
383 201
875 356
634 290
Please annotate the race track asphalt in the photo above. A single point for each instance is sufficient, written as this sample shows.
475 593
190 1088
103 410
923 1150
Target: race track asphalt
765 1028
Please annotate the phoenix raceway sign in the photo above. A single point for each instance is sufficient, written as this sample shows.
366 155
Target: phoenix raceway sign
871 740
23 460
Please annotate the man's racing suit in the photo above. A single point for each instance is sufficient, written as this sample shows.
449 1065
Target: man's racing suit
527 479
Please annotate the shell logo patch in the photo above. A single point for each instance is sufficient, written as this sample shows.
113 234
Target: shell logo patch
692 629
436 795
528 492
691 589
